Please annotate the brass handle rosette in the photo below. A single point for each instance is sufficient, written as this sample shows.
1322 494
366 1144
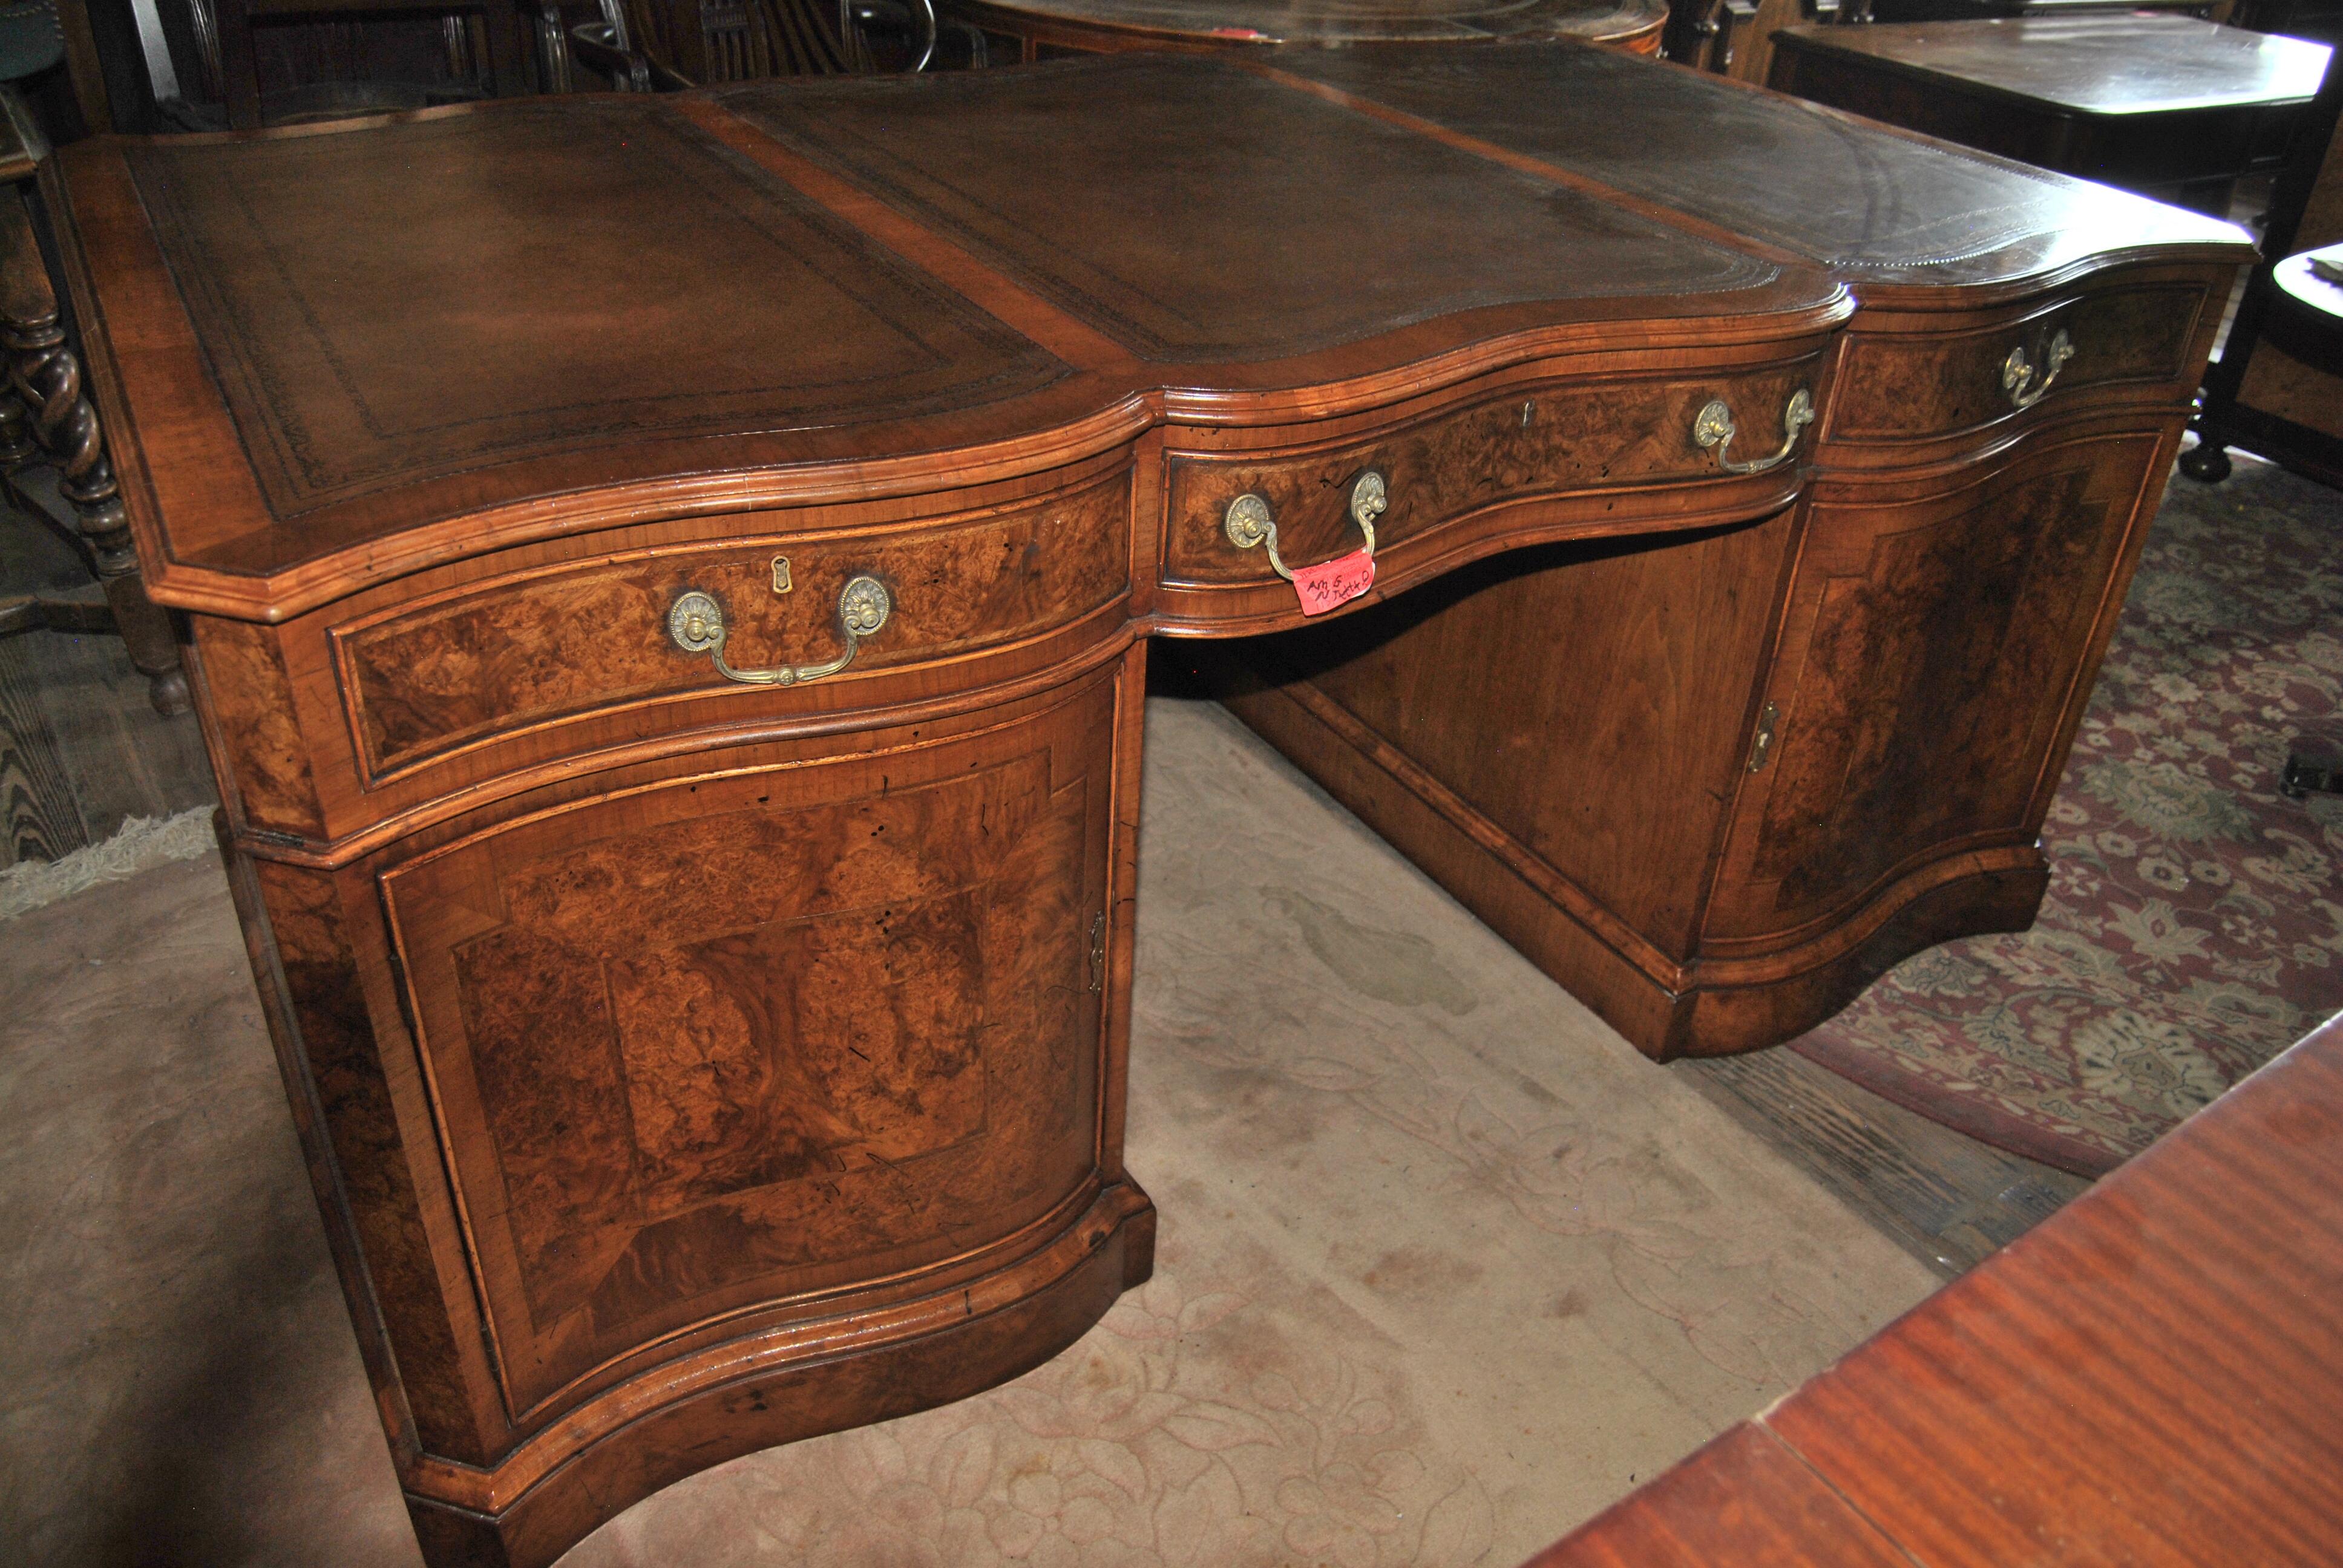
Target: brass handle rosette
2024 380
1248 523
695 622
1713 429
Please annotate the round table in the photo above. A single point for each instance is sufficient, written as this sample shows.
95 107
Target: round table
1042 28
2306 310
2301 315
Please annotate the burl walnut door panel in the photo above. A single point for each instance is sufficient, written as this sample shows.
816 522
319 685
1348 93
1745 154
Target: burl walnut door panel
817 1035
1933 653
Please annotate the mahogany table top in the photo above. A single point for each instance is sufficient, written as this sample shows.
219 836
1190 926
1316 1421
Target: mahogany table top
2154 1375
2098 66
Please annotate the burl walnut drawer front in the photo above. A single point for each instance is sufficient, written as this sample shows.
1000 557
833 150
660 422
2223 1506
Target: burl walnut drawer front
1906 385
541 648
1522 443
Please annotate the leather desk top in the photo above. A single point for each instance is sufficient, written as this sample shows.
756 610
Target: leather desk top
464 320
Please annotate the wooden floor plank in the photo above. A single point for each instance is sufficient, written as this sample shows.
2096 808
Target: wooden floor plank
1948 1199
37 811
82 749
123 758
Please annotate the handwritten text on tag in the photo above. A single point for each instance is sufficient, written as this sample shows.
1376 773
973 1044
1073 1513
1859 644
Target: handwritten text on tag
1334 583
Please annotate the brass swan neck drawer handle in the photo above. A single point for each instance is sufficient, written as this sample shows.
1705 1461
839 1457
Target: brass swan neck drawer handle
1713 428
696 621
1248 522
2017 371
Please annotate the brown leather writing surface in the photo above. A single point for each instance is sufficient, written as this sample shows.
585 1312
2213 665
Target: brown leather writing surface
607 270
1815 181
1199 213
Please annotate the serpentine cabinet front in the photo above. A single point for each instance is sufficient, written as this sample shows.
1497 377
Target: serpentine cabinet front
677 709
1812 744
753 1078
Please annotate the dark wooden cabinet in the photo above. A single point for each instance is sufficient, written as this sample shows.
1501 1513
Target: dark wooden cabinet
678 711
1717 785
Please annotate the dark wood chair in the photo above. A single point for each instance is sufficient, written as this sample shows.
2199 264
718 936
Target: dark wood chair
202 65
1735 37
481 43
662 46
48 426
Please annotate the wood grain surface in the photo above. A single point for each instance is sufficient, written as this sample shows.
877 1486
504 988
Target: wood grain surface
2154 1375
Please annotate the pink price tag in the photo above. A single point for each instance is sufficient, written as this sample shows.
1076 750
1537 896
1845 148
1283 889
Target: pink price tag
1331 584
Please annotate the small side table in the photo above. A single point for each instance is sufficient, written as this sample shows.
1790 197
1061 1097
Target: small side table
2303 313
2308 309
2165 105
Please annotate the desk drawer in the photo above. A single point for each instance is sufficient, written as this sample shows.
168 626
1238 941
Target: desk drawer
542 646
1522 443
1908 385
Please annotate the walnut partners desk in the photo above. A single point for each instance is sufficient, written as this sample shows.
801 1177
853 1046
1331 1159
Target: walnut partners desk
666 582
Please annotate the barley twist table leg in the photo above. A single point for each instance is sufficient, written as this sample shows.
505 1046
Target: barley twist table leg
44 379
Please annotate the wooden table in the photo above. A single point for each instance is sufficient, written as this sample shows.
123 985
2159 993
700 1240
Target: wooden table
2301 315
1039 29
2165 104
678 711
2309 313
2153 1376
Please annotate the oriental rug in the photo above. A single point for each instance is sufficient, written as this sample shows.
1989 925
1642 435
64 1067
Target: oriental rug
2194 926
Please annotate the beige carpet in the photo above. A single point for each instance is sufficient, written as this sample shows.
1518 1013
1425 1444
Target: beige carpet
1445 1266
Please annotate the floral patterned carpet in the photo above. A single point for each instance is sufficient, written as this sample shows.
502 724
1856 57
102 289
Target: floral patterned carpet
2194 926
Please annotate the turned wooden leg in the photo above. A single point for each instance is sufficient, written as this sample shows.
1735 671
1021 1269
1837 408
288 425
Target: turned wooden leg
45 380
16 446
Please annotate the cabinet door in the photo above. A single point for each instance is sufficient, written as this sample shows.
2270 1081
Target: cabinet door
1936 652
773 1038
